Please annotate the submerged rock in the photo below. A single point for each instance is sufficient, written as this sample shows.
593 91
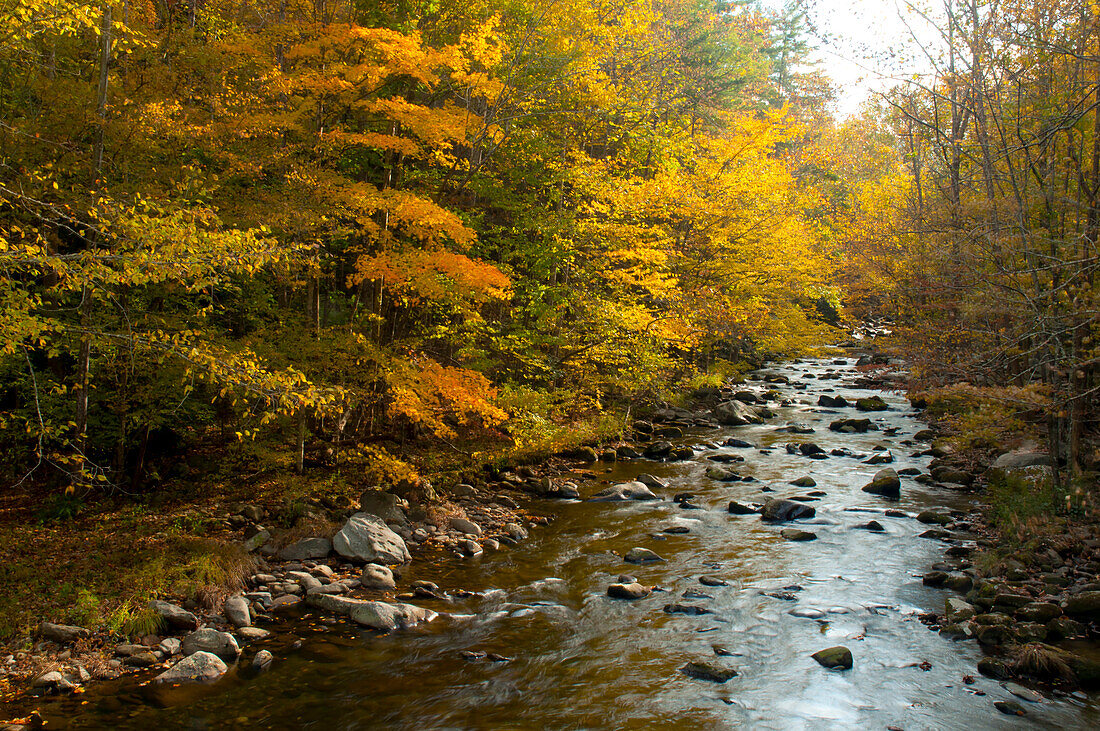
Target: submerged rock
778 511
795 534
708 670
641 555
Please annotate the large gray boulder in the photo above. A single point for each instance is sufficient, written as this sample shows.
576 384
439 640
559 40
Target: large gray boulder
306 548
385 505
382 616
201 667
367 538
735 413
222 644
61 633
885 482
779 511
173 616
624 491
1018 460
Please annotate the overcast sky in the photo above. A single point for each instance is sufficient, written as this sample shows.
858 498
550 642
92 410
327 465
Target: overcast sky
866 46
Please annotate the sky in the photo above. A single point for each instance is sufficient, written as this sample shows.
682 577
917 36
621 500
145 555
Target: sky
867 46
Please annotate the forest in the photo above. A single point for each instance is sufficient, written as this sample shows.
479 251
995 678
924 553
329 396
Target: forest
268 249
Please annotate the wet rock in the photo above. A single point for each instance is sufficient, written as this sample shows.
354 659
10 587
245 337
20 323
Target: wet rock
880 458
993 634
653 483
871 525
376 576
145 659
993 668
251 634
622 492
222 644
306 548
658 450
383 616
54 682
737 508
936 534
1063 628
690 609
712 581
721 474
262 661
958 610
852 426
681 453
173 616
1010 708
201 667
739 443
708 670
627 452
367 538
795 534
677 530
236 611
952 476
934 578
885 483
462 525
1026 694
641 555
833 402
958 581
778 511
736 413
810 449
305 580
628 591
806 481
933 517
834 657
873 403
61 633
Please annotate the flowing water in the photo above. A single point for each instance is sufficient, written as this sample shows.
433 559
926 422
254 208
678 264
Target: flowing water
582 660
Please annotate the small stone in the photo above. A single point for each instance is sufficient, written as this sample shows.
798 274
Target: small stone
796 534
627 591
871 525
169 646
1023 693
1010 708
173 616
737 508
465 526
250 634
641 555
208 640
376 576
708 670
236 611
262 661
806 481
712 581
834 657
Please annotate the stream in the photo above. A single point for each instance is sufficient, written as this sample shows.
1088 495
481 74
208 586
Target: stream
579 659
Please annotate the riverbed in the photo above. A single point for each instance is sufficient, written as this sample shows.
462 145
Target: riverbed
571 657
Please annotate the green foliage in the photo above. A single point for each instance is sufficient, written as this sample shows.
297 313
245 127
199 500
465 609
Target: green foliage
60 507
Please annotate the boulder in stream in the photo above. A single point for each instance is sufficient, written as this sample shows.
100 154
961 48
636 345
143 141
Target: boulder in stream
736 413
368 539
886 483
623 491
708 670
838 657
779 511
201 667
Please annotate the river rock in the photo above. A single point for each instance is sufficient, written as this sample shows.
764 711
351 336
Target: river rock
465 526
735 413
367 538
61 633
382 616
633 590
933 517
201 667
834 657
720 474
871 525
708 670
1018 460
515 531
833 402
693 610
806 481
958 610
376 576
658 450
173 616
739 443
809 449
880 458
653 483
624 491
641 555
236 611
306 548
886 483
250 634
1010 708
222 644
737 508
262 661
254 538
796 534
779 511
852 426
873 403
